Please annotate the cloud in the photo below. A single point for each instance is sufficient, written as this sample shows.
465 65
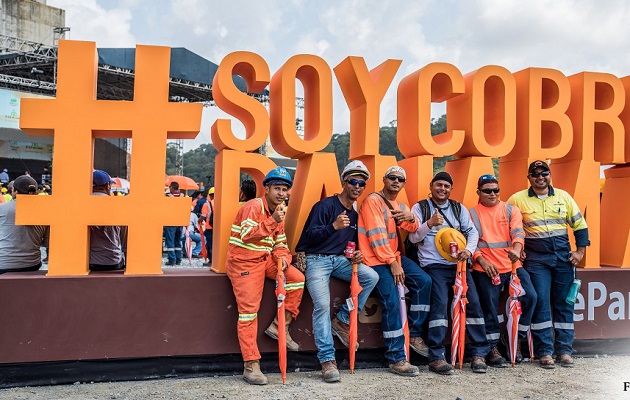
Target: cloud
90 21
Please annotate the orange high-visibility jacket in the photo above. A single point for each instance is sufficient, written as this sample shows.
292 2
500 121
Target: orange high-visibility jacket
499 228
378 240
255 234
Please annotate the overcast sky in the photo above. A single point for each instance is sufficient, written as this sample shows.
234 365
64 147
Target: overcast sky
571 36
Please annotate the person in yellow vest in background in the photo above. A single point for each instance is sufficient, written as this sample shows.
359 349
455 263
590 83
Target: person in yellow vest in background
501 238
6 197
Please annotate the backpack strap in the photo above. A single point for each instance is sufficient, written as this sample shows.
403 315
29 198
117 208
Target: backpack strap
425 210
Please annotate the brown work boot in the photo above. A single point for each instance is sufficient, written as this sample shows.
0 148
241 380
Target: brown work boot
478 365
565 360
272 331
252 373
441 367
342 331
495 359
547 362
330 373
404 368
418 345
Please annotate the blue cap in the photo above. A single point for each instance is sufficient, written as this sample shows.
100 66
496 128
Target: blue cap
101 178
487 178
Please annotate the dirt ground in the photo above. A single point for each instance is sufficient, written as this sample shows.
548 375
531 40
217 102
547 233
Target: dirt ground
591 378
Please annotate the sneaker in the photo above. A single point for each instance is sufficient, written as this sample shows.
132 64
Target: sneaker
565 360
342 331
495 359
441 367
418 345
547 362
404 368
330 373
478 365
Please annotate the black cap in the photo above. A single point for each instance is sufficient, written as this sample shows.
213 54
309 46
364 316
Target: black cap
537 164
442 176
25 185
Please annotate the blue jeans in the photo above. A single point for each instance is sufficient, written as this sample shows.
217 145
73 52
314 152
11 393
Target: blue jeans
208 237
196 237
489 294
173 242
419 285
319 269
443 277
552 281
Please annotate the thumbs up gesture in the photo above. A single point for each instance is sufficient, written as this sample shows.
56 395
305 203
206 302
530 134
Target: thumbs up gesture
436 219
279 213
342 221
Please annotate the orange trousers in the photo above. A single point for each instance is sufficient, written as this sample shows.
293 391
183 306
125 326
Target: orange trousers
247 283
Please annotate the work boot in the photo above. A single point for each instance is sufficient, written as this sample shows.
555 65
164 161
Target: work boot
330 373
478 364
404 368
565 360
441 367
252 373
418 345
342 331
495 359
519 356
547 362
272 331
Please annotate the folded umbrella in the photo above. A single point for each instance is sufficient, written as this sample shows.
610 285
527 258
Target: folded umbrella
201 226
282 333
355 289
188 244
514 311
458 315
402 291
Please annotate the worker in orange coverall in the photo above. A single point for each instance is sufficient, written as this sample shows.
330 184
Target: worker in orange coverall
257 242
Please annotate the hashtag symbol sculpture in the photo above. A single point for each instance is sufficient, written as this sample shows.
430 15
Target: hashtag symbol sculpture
75 117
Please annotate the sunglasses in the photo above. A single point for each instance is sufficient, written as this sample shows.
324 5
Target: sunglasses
488 191
393 178
537 174
354 182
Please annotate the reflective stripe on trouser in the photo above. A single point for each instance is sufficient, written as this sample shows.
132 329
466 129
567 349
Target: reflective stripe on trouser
419 285
173 242
489 295
441 298
547 278
248 290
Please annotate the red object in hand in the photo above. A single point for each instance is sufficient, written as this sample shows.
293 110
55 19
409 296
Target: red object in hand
454 249
349 251
496 280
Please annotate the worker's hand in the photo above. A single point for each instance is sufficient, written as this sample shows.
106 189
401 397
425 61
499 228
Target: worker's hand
357 257
436 219
285 265
402 216
513 255
279 212
523 256
342 221
576 256
397 272
489 269
463 255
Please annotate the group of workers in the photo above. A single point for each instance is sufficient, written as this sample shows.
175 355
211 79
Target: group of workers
528 232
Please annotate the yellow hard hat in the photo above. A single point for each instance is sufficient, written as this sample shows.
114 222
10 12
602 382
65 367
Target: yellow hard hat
211 191
443 240
4 190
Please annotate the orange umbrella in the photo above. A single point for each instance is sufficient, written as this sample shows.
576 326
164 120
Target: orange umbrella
402 291
282 335
458 314
120 185
185 183
355 289
201 224
514 312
